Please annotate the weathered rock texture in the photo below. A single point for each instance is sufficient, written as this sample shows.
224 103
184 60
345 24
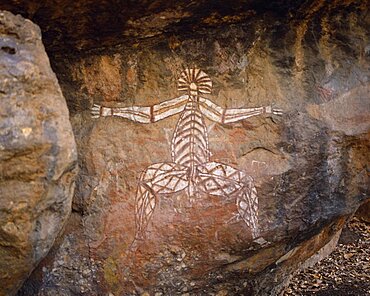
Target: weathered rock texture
78 26
37 152
363 211
310 58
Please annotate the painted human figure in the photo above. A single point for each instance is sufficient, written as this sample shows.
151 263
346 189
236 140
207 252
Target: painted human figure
191 169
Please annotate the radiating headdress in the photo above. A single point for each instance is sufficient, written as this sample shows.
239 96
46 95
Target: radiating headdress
196 76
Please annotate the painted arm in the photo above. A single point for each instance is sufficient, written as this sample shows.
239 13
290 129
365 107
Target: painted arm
225 115
142 114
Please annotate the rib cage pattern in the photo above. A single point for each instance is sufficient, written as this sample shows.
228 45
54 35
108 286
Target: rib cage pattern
190 139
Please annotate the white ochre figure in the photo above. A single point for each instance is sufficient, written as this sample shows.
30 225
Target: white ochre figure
191 169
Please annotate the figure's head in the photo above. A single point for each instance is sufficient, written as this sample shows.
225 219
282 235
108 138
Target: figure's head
195 82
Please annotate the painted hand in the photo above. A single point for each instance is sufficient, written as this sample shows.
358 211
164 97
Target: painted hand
96 111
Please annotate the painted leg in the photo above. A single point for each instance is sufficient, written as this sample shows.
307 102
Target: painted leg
247 205
144 207
158 179
223 180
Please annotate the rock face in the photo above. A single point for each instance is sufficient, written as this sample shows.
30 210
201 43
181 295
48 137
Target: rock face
78 26
363 212
37 152
308 165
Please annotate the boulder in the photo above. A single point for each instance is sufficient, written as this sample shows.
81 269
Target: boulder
298 174
37 152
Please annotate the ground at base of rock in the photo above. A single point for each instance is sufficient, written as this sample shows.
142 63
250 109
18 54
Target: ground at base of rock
345 272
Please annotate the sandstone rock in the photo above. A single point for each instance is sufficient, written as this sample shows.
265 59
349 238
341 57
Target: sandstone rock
37 152
86 24
309 165
363 211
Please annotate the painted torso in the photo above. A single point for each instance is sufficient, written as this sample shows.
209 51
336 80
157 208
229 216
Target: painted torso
190 139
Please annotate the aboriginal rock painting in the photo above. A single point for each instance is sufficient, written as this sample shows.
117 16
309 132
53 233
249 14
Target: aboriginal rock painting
191 169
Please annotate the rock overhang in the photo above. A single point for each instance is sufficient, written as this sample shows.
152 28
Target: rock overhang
79 26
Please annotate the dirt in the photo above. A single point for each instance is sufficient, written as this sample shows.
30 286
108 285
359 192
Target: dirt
345 272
